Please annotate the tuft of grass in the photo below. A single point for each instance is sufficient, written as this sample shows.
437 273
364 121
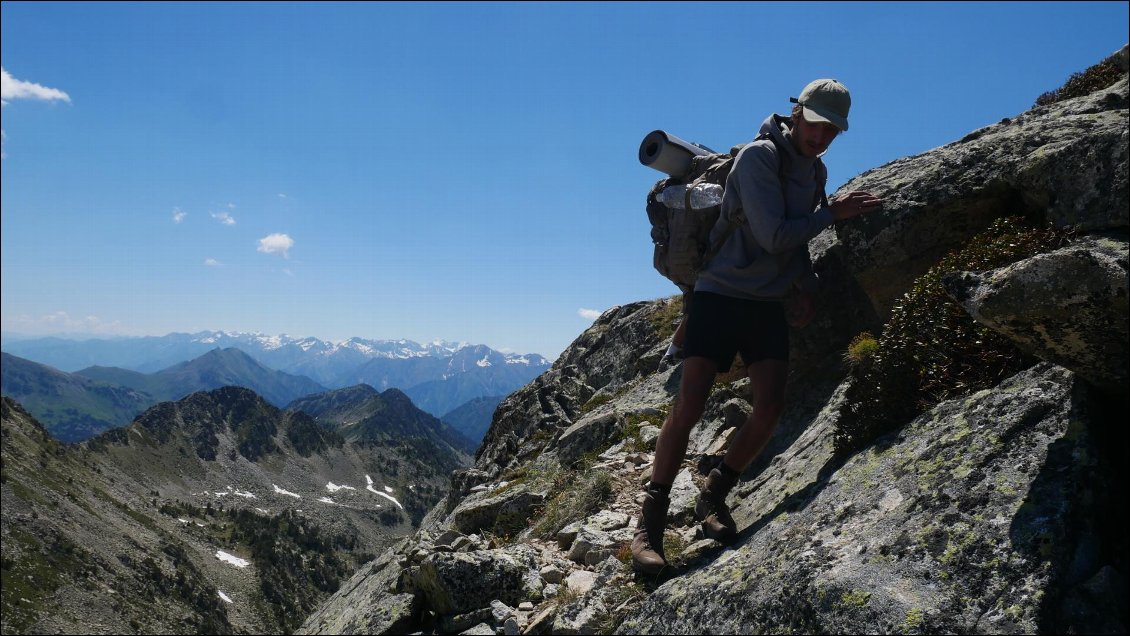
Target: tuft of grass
855 598
931 349
596 401
1084 82
666 319
574 497
861 349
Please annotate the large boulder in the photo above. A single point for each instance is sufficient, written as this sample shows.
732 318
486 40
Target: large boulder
969 520
1065 162
1069 306
501 510
461 582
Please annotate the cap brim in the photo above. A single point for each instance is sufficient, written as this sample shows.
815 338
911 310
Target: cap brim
813 116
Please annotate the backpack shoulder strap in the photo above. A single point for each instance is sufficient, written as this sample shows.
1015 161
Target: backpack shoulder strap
780 158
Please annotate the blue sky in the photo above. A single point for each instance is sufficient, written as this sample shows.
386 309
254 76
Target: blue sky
465 172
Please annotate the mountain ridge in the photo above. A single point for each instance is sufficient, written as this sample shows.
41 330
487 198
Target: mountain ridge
430 373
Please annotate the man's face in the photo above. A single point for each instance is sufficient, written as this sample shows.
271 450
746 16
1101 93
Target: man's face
813 138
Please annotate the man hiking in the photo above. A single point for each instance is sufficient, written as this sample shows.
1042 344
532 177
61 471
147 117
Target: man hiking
737 304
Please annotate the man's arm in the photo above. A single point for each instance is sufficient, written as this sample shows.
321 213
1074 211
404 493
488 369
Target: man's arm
759 188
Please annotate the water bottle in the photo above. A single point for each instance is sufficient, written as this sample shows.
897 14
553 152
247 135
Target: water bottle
703 195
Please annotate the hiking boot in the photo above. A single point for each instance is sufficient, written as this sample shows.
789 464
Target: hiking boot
712 510
666 362
647 545
672 358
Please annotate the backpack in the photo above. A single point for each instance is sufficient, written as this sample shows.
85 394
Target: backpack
682 236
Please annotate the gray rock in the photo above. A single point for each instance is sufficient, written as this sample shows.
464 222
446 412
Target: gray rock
606 521
503 510
648 435
459 582
482 629
568 534
462 622
1070 306
585 435
552 574
593 546
385 611
448 538
580 581
583 616
684 494
500 611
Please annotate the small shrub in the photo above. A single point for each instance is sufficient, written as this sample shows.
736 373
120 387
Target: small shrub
1085 82
931 349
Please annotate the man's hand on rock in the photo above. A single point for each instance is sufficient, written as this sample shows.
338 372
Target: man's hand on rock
852 204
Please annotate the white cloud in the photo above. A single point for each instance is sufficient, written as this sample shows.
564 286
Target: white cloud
589 314
223 217
178 216
211 262
12 88
276 244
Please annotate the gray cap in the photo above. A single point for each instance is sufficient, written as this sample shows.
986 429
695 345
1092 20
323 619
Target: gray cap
825 100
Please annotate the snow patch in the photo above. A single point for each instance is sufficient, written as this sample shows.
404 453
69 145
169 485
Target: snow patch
285 492
332 487
388 489
485 362
224 597
326 500
375 491
234 560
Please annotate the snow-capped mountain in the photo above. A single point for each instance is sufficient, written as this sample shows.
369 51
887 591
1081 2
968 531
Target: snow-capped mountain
439 376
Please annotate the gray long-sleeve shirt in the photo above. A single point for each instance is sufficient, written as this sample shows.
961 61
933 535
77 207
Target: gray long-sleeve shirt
767 256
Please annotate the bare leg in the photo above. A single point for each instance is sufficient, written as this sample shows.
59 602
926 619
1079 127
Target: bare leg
767 380
671 447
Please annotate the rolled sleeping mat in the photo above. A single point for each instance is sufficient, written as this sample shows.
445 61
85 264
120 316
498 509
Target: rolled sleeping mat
668 154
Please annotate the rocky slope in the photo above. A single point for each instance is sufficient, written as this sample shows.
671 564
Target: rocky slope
218 513
999 510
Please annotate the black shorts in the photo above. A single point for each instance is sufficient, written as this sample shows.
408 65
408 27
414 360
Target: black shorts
720 326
